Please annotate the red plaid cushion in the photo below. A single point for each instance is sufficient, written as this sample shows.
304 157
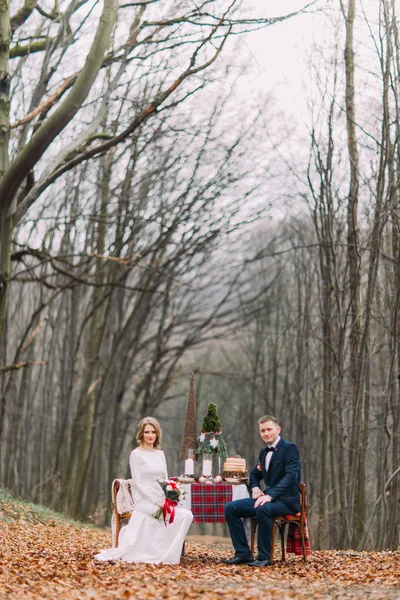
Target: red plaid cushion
208 502
293 541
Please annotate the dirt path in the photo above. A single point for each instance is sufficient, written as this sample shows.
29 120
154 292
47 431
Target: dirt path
213 540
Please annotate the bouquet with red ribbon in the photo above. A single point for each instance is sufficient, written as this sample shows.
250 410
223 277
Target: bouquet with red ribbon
172 492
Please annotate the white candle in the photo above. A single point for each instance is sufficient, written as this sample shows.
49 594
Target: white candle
189 466
207 468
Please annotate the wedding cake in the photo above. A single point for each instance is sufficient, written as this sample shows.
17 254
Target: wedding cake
235 466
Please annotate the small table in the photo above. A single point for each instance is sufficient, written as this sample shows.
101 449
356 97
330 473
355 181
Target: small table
207 500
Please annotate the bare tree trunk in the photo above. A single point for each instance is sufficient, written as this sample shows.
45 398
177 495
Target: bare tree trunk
353 256
78 461
391 492
5 219
13 175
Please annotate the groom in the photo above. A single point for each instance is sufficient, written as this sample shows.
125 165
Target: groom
279 467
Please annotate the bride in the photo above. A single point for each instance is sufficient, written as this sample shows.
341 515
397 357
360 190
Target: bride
146 539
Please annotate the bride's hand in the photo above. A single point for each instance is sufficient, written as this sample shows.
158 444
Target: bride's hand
160 503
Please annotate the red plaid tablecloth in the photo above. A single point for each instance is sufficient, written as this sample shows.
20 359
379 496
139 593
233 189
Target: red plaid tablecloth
208 502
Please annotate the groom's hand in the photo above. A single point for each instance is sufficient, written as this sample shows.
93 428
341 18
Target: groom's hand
256 493
262 500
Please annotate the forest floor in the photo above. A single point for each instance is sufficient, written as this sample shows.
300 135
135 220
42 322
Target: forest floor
44 555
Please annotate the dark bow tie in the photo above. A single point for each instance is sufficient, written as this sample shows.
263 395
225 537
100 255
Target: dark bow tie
269 449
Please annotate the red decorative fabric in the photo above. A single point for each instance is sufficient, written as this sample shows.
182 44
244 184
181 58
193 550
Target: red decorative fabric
169 509
208 502
293 541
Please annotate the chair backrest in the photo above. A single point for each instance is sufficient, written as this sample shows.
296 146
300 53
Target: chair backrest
114 492
122 506
121 493
303 499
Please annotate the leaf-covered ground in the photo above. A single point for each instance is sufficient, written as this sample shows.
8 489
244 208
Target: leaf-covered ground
44 556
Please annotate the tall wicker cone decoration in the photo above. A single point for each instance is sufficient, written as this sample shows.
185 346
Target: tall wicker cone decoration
189 439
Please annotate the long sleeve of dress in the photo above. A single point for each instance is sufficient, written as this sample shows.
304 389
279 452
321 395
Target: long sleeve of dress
144 491
166 469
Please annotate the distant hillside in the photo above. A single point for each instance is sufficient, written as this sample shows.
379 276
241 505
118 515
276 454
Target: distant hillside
15 509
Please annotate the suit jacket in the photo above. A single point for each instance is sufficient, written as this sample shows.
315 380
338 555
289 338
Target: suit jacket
282 479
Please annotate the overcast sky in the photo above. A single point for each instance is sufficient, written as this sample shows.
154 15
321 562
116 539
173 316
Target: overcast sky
280 58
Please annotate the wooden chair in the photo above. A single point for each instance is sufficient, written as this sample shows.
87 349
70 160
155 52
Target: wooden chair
280 523
119 518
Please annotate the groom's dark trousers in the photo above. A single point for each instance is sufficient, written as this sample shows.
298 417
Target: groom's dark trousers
282 482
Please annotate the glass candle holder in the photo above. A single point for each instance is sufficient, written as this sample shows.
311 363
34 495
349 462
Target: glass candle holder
217 464
189 462
207 465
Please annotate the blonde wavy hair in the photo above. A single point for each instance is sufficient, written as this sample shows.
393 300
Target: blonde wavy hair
140 430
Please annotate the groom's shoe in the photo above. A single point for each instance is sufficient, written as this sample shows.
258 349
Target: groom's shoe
237 560
260 563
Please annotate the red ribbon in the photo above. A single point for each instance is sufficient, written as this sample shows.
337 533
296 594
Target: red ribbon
169 509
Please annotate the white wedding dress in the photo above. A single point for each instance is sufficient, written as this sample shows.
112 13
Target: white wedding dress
146 539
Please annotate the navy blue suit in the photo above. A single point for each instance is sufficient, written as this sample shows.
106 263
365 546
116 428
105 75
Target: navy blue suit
282 482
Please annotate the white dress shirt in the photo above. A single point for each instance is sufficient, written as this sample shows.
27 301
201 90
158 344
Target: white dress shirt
268 456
